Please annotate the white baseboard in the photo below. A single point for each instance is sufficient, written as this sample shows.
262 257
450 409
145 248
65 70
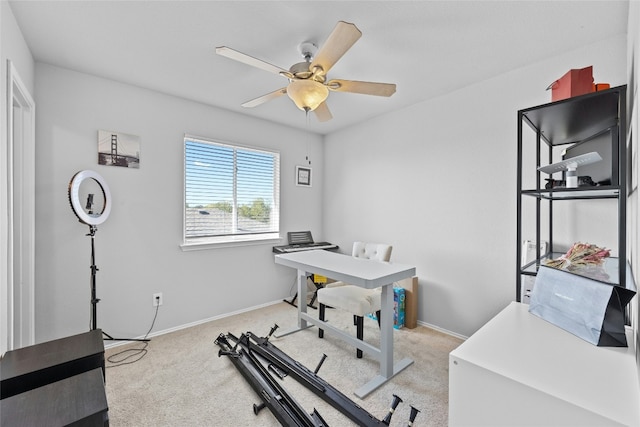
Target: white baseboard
444 331
196 323
244 310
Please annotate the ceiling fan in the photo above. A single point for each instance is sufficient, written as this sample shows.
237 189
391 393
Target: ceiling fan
308 85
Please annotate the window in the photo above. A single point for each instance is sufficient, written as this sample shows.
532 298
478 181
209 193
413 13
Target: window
232 193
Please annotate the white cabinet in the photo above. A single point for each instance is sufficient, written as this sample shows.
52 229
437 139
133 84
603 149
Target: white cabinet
521 370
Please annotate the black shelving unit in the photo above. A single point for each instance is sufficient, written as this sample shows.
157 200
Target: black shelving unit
594 118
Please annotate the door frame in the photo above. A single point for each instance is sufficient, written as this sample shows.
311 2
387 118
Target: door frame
20 176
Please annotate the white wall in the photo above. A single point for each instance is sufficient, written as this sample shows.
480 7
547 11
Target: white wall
12 47
137 248
437 181
15 48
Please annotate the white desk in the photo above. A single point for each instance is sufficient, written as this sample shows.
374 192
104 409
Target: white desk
360 272
519 370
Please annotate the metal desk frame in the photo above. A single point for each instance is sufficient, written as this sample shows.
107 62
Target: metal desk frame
360 272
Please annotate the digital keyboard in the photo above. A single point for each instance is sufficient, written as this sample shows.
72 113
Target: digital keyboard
303 247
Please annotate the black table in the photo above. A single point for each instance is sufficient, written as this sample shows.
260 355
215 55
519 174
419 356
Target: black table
59 382
79 400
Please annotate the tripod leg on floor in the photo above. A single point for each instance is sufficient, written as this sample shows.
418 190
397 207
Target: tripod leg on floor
110 338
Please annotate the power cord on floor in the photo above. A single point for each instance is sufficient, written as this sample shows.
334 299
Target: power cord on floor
123 357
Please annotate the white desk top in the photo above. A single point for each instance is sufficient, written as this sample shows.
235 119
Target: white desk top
533 352
355 271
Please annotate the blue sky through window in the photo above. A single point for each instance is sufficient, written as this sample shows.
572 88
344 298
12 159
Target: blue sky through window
209 172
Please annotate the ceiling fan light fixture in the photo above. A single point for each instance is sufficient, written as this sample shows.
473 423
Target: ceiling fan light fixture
308 87
307 94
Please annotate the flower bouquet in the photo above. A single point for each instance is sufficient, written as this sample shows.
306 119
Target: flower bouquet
584 259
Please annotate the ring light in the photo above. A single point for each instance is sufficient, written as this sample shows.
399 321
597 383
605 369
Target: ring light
83 204
83 208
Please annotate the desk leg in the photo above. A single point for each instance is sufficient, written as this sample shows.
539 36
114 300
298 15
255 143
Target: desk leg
387 368
386 332
302 291
302 305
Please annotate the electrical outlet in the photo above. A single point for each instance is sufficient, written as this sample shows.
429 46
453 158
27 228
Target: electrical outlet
157 299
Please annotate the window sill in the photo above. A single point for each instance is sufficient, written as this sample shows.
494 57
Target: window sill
229 242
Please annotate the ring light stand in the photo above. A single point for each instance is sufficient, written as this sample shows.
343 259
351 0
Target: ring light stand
86 214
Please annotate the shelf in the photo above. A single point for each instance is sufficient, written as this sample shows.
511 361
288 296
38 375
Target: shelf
604 192
595 122
576 119
609 273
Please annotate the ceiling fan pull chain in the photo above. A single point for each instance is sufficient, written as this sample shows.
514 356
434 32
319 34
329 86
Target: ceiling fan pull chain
308 124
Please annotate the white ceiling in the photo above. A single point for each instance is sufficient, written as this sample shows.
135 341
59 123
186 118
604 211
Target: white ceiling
428 48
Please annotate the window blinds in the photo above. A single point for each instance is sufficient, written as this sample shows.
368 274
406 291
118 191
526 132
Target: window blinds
230 190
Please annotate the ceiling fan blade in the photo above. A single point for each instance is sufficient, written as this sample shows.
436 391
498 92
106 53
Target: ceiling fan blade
366 88
343 36
322 112
249 60
264 98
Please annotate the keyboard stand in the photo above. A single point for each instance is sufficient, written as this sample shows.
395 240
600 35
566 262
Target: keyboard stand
313 297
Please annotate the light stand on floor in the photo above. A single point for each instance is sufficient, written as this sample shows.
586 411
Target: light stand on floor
87 216
94 299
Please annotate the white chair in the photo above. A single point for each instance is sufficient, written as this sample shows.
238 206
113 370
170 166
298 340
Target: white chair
355 299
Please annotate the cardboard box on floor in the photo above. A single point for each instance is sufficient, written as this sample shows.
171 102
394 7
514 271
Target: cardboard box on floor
410 300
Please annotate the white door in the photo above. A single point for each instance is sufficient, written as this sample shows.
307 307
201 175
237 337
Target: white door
20 176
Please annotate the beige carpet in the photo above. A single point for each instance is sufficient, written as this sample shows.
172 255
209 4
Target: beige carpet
181 381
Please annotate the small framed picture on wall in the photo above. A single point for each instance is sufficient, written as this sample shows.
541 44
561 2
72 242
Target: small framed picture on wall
118 149
303 176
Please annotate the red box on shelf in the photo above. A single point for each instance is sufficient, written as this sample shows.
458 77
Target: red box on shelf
575 82
601 86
